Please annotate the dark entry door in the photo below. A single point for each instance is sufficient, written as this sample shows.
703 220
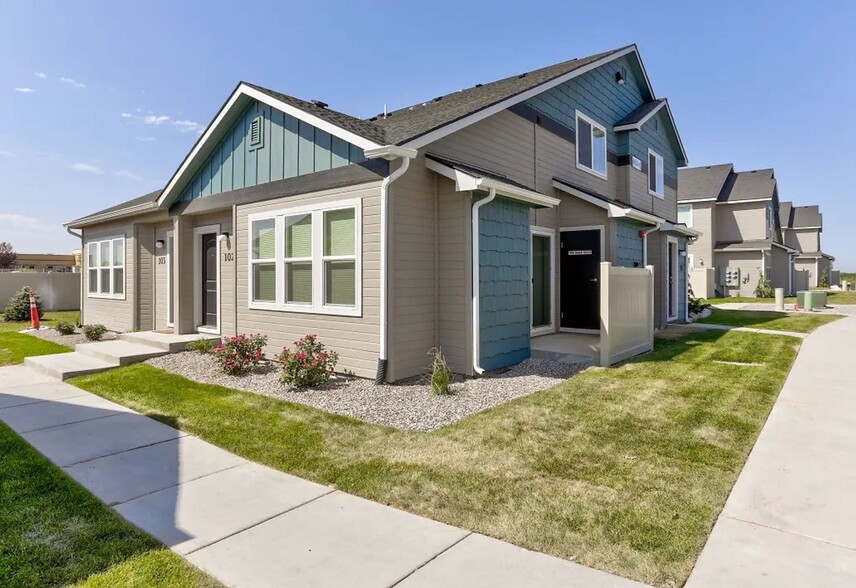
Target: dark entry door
209 280
580 271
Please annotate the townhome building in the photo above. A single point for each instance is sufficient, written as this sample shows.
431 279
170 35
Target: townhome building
801 229
470 222
741 244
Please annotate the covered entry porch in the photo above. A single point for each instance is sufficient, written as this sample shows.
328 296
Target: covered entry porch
567 347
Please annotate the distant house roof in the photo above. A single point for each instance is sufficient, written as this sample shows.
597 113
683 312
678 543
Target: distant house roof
750 185
807 216
132 206
749 245
785 214
702 183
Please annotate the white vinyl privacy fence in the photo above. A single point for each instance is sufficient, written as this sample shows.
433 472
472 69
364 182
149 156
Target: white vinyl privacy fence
626 312
58 290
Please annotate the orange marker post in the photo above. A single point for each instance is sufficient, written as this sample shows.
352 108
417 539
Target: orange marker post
34 311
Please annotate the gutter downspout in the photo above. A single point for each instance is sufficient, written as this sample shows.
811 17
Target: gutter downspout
645 243
476 295
82 253
390 153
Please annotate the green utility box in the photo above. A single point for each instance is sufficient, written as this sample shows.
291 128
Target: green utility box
810 299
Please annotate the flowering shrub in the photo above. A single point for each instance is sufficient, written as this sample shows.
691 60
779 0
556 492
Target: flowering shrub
309 364
238 355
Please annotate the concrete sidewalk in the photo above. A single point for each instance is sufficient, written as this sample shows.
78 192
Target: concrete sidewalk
715 327
249 525
791 519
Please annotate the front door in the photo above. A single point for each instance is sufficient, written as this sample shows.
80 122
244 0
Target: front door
209 281
580 271
672 278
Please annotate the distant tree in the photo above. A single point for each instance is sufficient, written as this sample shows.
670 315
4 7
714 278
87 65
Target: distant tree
8 257
824 279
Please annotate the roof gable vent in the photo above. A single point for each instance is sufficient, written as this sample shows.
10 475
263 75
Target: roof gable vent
257 132
320 104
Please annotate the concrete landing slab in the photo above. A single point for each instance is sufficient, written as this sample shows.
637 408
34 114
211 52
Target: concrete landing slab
41 415
119 352
166 341
122 477
19 375
745 554
63 366
48 390
208 509
337 540
77 442
483 562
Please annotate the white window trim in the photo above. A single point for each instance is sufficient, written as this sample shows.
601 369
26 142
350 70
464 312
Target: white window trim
318 258
594 124
111 295
662 182
691 211
169 301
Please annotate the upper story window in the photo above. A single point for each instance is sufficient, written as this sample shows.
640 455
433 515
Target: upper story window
306 259
655 174
105 264
685 214
591 146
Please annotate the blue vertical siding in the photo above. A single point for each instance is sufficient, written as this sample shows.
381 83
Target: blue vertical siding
682 279
289 148
628 244
504 251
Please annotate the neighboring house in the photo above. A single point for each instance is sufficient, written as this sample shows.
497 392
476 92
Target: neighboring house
741 243
469 223
801 228
45 262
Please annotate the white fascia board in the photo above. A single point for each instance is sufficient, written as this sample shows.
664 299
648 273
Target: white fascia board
785 247
390 152
482 114
680 229
644 217
613 210
465 182
690 201
241 91
563 187
677 133
748 201
638 125
111 215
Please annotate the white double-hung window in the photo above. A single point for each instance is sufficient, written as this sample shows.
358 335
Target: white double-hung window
105 266
591 146
305 259
656 174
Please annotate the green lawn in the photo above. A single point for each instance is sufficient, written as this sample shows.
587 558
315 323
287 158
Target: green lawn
777 321
15 346
622 469
54 533
833 298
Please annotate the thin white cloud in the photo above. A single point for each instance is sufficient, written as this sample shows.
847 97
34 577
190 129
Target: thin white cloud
146 139
72 82
126 115
154 119
40 75
187 126
24 90
127 175
6 153
20 222
86 168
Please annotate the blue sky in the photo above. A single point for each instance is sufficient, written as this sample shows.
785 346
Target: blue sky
101 102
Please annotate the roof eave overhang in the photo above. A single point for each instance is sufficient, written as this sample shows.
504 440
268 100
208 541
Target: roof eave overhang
691 200
465 182
113 215
785 247
680 229
613 210
638 126
237 100
747 200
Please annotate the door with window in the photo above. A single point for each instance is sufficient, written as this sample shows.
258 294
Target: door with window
209 281
541 291
580 252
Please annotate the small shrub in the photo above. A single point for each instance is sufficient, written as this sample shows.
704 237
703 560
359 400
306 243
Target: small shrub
764 289
441 375
308 365
239 354
65 328
94 332
823 282
200 345
18 309
696 305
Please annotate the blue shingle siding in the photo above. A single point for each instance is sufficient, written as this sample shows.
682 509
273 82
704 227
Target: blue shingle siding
503 283
682 279
597 95
628 245
660 141
289 147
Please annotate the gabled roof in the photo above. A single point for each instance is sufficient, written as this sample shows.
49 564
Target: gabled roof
132 206
751 185
750 245
807 216
785 214
638 117
703 183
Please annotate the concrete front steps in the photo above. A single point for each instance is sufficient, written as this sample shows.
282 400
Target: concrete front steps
92 358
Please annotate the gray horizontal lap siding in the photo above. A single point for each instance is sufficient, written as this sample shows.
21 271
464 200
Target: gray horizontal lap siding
115 314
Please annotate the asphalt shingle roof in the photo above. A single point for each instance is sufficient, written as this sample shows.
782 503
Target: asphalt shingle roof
640 113
785 211
751 244
475 171
149 198
806 216
698 183
751 185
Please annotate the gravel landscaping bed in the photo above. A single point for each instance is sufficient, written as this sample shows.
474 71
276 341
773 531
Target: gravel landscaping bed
409 405
67 340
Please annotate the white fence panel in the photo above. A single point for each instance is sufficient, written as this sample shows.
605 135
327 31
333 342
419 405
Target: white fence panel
703 282
626 312
58 290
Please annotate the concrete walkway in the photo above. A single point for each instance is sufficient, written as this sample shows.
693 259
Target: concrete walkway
791 518
714 327
249 525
